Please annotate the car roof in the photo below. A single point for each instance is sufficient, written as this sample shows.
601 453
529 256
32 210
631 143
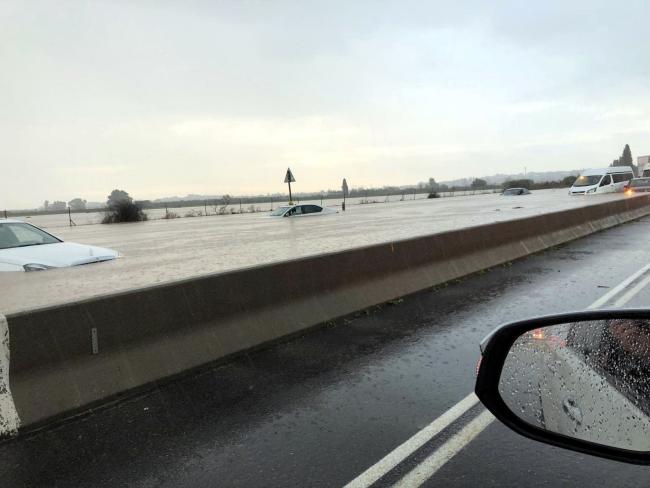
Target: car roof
608 170
11 221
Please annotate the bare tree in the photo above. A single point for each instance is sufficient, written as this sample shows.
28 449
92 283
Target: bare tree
223 207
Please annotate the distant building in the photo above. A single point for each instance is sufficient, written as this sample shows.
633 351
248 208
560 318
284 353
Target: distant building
643 163
57 206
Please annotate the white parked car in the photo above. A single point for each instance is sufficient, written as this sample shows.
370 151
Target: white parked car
25 247
307 210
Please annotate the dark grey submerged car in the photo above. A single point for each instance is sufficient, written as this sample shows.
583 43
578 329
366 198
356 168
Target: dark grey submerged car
510 192
638 185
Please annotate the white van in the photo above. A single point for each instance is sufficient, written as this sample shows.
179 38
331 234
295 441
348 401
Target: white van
604 180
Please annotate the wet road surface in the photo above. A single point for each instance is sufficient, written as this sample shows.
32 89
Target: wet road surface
324 407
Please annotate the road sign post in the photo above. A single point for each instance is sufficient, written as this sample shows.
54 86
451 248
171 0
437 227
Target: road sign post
288 178
344 187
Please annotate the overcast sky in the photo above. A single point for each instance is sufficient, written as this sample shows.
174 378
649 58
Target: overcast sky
170 98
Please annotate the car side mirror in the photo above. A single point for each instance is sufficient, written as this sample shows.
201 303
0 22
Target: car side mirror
580 381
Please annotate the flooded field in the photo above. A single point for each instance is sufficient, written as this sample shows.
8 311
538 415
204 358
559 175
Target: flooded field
159 251
54 221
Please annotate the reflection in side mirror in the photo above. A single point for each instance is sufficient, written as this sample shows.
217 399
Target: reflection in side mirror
588 380
579 381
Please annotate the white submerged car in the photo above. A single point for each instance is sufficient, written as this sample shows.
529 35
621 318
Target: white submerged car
25 247
301 211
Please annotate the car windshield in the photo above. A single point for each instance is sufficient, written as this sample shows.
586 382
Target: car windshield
16 234
279 211
584 180
640 182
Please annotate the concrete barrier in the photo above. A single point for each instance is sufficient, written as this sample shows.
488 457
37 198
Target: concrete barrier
8 416
69 357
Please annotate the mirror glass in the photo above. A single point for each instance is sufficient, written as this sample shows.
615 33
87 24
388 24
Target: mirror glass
586 380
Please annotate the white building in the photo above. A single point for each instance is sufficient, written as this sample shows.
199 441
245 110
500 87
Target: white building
643 163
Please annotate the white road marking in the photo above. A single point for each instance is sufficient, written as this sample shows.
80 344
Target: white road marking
427 468
633 292
392 459
618 288
399 454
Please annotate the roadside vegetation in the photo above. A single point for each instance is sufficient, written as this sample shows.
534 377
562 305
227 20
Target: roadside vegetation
539 185
120 207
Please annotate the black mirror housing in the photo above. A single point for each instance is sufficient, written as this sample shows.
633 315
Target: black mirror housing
497 347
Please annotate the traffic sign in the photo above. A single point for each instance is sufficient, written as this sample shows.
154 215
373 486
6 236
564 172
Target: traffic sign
288 179
289 176
344 187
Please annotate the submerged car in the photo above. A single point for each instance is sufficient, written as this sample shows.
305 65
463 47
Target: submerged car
638 185
301 211
25 247
515 191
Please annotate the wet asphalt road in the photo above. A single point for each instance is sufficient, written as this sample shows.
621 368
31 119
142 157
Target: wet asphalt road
320 409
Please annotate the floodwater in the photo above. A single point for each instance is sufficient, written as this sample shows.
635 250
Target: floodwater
55 221
160 251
